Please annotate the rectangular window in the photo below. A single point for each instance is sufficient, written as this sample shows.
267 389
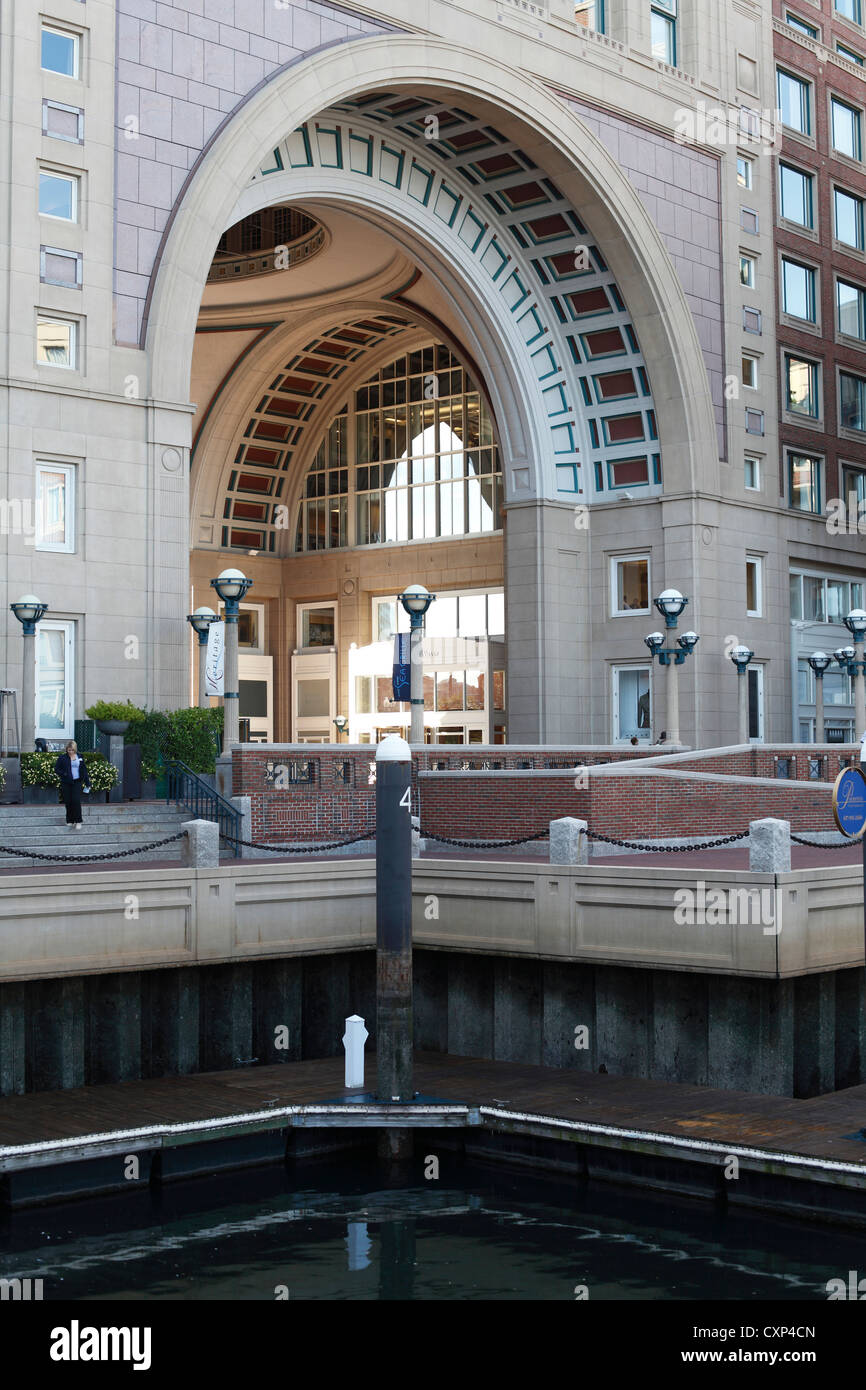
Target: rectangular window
751 320
747 272
55 679
801 386
630 584
804 483
752 472
853 485
754 421
845 52
845 124
744 171
313 698
794 102
755 678
749 371
814 599
663 31
800 25
848 211
60 51
56 342
632 711
58 196
55 507
749 221
63 122
798 290
589 14
317 627
795 195
851 309
754 586
852 401
849 9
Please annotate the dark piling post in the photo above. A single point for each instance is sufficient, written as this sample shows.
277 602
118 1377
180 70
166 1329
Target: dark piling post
393 920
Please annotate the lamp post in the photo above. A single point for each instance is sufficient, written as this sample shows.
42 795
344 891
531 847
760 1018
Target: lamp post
819 661
741 656
341 721
856 625
200 622
231 586
29 611
416 600
670 604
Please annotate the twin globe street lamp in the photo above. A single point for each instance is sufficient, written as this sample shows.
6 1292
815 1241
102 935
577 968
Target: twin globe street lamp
416 600
741 656
670 603
819 662
29 610
852 663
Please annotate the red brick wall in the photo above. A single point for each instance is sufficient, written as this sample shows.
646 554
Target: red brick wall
507 802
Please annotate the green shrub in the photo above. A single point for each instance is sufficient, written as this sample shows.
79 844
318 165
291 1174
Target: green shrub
187 734
37 770
112 709
2 776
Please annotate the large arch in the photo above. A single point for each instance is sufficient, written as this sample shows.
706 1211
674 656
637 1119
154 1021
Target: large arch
563 147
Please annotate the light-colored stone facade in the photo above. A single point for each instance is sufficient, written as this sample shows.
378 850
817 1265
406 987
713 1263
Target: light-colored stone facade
183 106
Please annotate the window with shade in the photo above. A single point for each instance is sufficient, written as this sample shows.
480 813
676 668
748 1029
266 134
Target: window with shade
414 459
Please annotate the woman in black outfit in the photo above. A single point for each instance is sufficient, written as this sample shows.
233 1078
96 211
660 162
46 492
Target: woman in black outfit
74 778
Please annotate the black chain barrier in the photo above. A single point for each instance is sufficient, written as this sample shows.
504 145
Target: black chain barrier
822 844
90 858
297 849
667 849
485 844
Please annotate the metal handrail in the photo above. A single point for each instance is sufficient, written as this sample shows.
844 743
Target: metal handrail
202 801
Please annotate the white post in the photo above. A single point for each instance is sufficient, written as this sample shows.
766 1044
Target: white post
859 692
819 708
673 702
203 698
353 1041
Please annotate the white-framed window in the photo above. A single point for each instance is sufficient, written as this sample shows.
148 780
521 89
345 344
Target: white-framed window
848 220
747 271
629 584
317 625
632 703
799 292
849 9
61 51
794 99
58 195
55 679
55 506
745 168
749 371
821 598
56 342
589 14
60 267
805 482
251 626
754 586
752 472
845 128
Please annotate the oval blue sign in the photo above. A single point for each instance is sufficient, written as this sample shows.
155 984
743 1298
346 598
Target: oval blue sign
849 802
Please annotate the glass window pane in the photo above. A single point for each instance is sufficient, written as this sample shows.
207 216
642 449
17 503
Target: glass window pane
59 53
814 608
441 619
473 615
796 582
51 507
801 387
313 698
805 483
474 689
663 38
850 300
51 678
633 703
796 195
849 219
632 578
55 342
837 600
499 690
449 691
364 694
852 390
318 627
793 98
846 128
56 196
798 290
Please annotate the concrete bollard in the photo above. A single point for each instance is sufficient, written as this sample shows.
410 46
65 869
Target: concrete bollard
201 848
353 1041
568 842
770 846
245 805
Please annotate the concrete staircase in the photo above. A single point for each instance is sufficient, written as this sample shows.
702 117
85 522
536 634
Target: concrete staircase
107 827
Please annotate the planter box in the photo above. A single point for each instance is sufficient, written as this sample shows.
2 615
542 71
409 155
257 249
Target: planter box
42 796
112 726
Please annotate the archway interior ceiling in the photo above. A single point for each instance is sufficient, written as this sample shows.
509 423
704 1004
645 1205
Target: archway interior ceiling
582 369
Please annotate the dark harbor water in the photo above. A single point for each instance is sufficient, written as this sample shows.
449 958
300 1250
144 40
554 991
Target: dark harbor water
339 1232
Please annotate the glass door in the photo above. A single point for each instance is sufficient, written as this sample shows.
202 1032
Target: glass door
55 679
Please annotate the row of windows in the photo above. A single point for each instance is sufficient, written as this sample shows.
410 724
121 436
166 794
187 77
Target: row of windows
631 588
801 299
58 338
847 9
592 14
796 100
798 204
802 392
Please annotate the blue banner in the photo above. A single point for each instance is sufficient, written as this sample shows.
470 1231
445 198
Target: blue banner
400 679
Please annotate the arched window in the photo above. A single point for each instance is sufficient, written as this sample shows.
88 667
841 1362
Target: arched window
412 458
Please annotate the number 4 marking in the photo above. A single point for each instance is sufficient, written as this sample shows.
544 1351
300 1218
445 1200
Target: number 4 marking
405 798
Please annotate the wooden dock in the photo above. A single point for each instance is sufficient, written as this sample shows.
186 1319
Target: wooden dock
798 1154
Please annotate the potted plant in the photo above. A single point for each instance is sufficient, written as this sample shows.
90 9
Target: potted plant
112 716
